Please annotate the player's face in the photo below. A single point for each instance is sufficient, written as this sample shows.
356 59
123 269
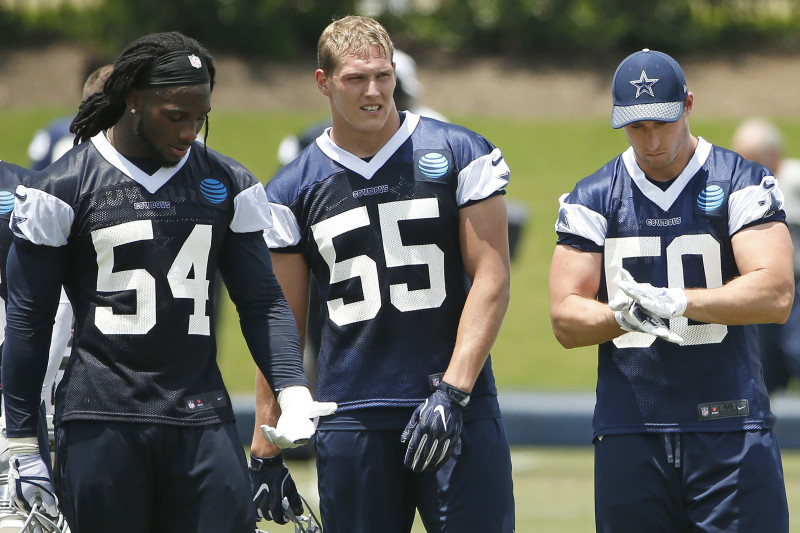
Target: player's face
662 149
361 92
170 120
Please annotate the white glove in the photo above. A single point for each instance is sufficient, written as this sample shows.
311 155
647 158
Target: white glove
633 317
29 480
295 426
659 301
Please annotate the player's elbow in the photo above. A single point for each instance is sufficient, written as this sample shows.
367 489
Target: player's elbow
782 304
563 333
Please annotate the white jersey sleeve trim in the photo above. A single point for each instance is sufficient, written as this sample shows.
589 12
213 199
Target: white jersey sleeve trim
753 203
41 218
579 220
285 230
251 210
482 178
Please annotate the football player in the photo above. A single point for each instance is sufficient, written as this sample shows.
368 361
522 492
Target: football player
135 222
666 257
402 221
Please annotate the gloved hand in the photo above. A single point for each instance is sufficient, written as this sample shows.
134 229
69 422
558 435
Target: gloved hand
295 425
271 484
631 316
435 428
659 301
29 481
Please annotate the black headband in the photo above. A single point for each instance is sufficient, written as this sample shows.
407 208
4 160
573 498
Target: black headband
175 69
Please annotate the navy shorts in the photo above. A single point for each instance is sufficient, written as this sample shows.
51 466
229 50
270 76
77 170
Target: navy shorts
690 482
364 486
152 478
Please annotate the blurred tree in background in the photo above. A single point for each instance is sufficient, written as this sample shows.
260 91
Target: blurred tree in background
285 29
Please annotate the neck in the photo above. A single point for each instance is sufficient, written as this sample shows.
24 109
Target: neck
364 143
123 139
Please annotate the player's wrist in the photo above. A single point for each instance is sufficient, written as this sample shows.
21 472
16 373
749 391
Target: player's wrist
459 396
257 463
622 322
23 446
294 396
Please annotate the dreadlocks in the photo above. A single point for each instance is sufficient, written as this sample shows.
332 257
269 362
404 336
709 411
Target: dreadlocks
103 109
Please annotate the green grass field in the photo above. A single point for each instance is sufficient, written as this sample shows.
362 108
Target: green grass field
553 487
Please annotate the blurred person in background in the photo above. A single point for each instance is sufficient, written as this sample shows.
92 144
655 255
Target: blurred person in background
402 220
53 141
760 140
666 257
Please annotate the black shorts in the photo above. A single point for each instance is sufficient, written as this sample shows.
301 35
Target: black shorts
152 478
364 486
687 482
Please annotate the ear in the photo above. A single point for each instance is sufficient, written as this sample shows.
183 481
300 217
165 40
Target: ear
322 82
689 104
133 101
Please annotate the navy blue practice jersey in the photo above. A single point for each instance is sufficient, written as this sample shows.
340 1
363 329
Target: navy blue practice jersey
140 253
11 175
382 239
678 237
50 143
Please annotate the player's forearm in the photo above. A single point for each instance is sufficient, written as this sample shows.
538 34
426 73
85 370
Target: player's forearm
478 328
579 321
32 301
267 412
757 297
266 320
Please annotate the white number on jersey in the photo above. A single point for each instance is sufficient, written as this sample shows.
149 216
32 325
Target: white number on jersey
193 256
397 254
703 245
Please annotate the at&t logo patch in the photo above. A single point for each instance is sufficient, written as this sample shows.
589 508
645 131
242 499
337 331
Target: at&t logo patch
6 202
712 199
433 165
213 190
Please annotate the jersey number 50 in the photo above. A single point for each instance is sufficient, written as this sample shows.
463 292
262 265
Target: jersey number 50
703 245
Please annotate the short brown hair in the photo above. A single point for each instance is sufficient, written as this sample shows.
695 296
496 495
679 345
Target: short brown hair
354 35
96 80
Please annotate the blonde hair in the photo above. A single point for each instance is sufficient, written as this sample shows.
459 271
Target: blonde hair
351 35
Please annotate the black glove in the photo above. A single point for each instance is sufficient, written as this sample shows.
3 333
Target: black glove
435 428
271 484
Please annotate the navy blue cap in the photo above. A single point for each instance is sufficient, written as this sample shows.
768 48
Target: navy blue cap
648 85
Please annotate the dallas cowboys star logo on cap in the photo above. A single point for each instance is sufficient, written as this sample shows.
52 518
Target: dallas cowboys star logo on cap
644 84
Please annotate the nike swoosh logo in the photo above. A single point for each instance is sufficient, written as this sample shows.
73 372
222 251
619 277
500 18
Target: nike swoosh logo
740 407
439 409
261 489
497 161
